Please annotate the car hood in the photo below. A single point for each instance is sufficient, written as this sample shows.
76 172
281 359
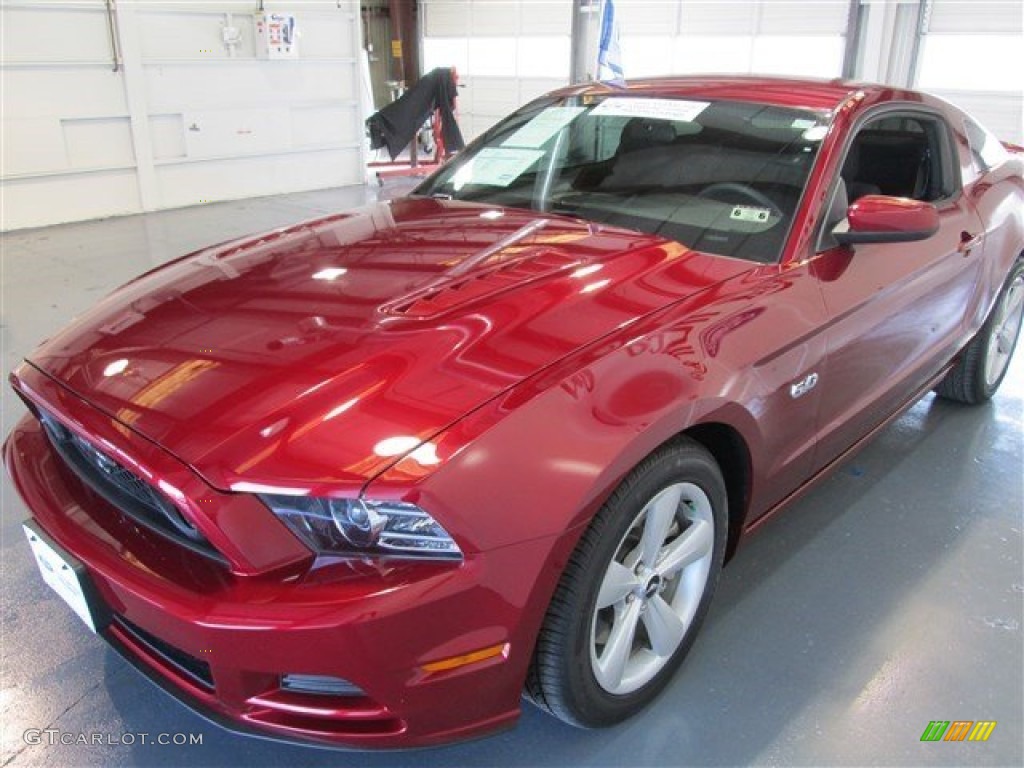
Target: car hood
315 356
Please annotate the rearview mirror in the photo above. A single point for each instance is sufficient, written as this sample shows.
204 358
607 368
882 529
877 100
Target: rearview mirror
883 219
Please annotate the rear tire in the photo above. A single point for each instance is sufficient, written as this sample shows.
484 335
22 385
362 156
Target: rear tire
634 592
985 360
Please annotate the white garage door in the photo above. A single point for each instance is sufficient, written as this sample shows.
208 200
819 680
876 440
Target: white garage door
973 55
662 37
506 52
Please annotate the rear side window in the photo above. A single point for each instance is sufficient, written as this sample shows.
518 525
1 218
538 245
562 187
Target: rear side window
986 150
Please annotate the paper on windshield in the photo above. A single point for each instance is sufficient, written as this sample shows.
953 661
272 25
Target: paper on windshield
496 166
658 109
541 128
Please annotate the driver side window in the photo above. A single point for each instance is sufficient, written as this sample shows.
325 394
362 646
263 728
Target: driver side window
899 155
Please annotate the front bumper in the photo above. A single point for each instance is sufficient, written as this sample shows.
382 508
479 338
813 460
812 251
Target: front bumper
221 642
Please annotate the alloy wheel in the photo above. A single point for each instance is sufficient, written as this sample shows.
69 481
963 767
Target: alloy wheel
1004 333
652 588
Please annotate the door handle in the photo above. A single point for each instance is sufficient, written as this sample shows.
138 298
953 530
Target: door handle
967 242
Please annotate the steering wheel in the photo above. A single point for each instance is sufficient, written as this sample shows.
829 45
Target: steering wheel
743 190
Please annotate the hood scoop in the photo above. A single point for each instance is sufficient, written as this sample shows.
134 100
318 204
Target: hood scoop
535 264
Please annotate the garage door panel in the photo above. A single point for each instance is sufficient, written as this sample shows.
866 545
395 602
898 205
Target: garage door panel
74 34
492 56
33 145
495 96
976 16
325 35
31 202
56 91
321 125
445 18
717 53
647 55
179 35
98 142
739 36
546 17
167 136
191 183
805 55
964 62
999 111
498 18
645 17
820 18
247 82
544 56
447 52
700 17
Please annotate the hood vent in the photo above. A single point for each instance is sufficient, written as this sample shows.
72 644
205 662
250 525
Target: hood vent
450 294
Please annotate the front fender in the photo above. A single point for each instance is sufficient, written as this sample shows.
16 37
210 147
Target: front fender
540 462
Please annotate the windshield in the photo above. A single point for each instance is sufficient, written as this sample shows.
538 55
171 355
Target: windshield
720 176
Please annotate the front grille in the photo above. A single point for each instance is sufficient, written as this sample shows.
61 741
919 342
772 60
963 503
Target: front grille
125 490
195 670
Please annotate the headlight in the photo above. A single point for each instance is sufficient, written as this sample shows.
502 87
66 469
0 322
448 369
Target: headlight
361 526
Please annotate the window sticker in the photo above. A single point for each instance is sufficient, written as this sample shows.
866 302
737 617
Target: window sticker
815 133
804 123
540 129
658 109
750 213
496 166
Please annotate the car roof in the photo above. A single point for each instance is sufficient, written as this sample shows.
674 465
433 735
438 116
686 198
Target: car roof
803 93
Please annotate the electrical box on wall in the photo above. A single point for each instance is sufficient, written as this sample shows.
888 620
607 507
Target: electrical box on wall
275 36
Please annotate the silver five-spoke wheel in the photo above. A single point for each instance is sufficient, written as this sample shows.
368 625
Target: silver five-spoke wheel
1005 329
981 366
652 588
635 590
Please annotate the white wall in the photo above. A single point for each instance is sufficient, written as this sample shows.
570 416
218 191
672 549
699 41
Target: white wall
182 122
506 52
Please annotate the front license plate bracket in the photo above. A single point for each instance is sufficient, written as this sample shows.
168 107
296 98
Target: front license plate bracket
66 575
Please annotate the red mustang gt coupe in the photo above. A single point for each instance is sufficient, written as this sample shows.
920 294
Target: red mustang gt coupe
364 480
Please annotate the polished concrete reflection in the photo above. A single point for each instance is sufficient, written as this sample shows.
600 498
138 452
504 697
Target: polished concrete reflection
889 596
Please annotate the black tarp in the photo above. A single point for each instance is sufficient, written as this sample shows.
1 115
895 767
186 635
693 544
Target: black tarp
396 125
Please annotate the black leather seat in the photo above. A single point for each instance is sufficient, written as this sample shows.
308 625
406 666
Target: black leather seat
855 188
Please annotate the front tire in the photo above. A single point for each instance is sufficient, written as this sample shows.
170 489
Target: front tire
985 360
635 591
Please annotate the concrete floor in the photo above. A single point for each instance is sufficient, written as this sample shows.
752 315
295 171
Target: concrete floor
888 597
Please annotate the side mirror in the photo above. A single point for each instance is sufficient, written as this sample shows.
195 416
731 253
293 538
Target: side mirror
883 219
